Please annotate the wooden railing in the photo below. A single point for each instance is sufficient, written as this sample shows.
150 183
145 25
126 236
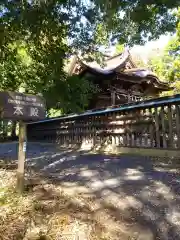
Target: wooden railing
148 124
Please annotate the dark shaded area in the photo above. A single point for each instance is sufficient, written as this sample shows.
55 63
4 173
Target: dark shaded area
8 131
140 191
8 139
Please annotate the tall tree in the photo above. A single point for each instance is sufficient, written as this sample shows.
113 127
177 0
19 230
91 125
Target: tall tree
24 67
124 21
37 36
167 65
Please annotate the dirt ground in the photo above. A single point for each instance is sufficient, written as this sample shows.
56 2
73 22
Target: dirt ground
80 195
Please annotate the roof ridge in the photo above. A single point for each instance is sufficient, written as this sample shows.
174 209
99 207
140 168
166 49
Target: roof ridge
117 55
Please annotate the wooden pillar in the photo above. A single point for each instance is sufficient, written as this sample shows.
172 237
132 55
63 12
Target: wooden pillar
113 98
178 125
151 128
163 130
21 156
157 128
170 132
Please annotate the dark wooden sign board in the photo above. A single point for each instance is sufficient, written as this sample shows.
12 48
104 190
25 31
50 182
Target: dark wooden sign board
21 107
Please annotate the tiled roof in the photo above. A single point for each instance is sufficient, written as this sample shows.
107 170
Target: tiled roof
118 65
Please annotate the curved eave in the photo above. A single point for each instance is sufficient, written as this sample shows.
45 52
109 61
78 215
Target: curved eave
159 84
95 71
149 79
145 75
121 59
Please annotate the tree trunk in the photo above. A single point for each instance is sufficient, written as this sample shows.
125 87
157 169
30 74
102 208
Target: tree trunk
13 130
4 123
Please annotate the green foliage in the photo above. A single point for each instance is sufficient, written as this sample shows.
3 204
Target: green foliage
134 22
11 66
119 48
54 113
167 66
36 38
48 22
25 67
76 94
157 65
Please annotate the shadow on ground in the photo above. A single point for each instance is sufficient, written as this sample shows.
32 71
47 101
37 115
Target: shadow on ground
44 213
140 193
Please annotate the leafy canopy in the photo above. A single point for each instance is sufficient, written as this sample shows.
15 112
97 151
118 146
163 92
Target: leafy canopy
167 66
36 37
86 24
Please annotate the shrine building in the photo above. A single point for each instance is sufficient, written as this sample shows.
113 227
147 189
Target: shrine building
120 81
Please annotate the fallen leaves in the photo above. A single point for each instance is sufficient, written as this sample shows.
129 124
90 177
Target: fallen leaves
42 212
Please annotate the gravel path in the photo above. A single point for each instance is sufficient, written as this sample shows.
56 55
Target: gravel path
139 191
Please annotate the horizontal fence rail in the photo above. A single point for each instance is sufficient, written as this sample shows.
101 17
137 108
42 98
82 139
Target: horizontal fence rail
153 123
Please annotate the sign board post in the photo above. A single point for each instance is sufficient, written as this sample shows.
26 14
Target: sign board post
21 156
21 107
